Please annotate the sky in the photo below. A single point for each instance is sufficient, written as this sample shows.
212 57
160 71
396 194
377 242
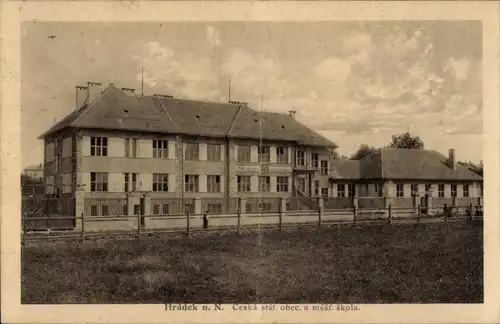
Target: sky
352 82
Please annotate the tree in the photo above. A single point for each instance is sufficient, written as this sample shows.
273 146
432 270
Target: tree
363 151
477 168
407 141
336 156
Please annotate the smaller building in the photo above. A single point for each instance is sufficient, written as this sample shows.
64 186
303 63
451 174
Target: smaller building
34 172
406 178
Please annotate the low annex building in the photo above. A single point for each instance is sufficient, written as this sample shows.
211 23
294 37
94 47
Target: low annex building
407 177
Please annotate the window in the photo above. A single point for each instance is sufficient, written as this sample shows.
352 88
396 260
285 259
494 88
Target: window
213 183
190 183
324 167
130 148
125 210
414 189
441 190
160 182
98 146
58 163
316 188
93 210
350 190
213 152
282 155
379 189
160 149
265 184
191 151
301 158
156 209
127 147
165 209
264 153
243 153
314 159
400 190
134 148
324 192
189 208
282 184
427 188
265 207
98 181
453 190
243 183
130 185
104 210
466 190
340 190
214 208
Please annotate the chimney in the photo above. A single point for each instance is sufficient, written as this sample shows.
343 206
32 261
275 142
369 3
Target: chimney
81 96
162 96
291 113
238 103
451 159
94 90
128 90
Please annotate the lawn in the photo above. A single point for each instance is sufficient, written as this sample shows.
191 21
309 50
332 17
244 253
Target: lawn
431 263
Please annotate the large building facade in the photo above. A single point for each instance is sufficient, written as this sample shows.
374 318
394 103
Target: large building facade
117 145
117 149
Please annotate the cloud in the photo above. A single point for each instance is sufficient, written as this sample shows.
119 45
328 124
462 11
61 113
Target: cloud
213 36
357 47
375 83
252 74
333 69
458 67
183 75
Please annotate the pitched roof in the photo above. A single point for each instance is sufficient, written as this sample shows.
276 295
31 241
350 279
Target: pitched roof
274 126
345 169
200 117
114 109
402 164
37 167
421 164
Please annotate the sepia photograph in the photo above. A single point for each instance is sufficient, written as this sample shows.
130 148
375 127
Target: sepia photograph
253 166
290 156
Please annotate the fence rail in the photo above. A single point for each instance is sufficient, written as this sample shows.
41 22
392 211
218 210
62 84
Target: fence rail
140 224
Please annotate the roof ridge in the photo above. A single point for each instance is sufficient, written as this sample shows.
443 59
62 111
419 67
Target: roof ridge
166 112
219 102
92 104
234 120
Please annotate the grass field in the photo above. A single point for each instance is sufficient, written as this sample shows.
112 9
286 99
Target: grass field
431 263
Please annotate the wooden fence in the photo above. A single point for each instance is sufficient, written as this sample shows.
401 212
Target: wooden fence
190 222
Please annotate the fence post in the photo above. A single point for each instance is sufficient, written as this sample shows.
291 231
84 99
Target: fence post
283 209
83 227
188 220
320 211
139 224
390 214
238 212
419 212
354 212
280 214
